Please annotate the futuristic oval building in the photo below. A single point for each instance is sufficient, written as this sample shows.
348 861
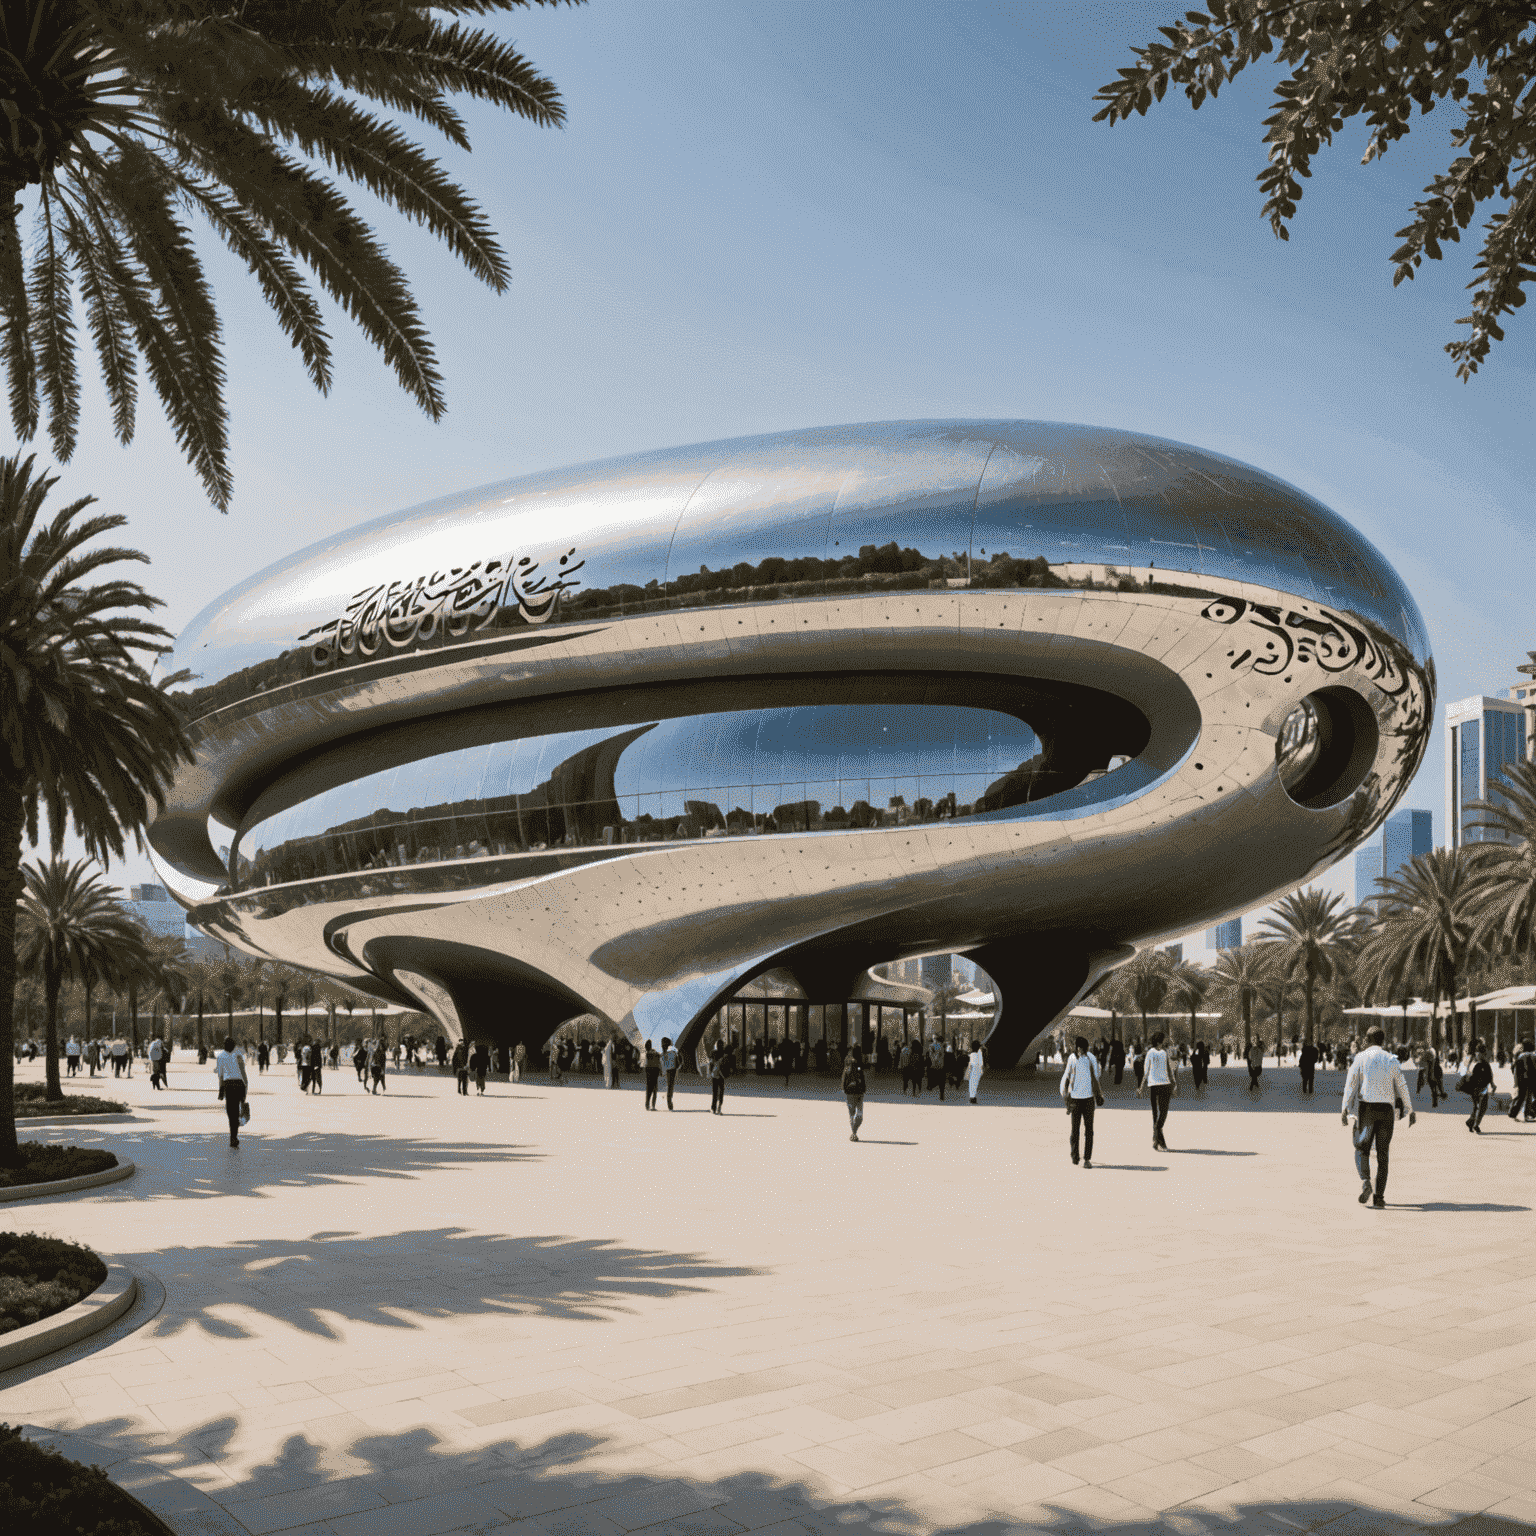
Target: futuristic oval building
621 738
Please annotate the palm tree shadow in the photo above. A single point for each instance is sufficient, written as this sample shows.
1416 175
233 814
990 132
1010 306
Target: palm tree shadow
560 1482
406 1279
200 1165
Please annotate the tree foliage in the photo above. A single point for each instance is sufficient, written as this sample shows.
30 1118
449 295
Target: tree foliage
129 117
1380 60
86 736
1311 933
72 926
1506 894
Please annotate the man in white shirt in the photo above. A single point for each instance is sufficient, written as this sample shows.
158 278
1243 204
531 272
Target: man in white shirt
72 1056
156 1061
1375 1093
229 1068
1160 1079
1080 1088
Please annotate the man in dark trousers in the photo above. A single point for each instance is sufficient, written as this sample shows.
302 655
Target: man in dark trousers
1080 1089
1117 1060
1307 1061
1525 1083
1376 1095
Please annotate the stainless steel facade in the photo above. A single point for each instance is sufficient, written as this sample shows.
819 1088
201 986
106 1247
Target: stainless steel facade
620 738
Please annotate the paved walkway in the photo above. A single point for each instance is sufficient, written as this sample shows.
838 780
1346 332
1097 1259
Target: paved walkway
547 1311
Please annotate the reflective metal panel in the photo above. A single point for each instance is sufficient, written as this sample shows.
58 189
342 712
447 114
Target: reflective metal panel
621 737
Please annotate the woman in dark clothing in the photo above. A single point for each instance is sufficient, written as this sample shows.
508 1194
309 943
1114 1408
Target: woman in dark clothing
461 1067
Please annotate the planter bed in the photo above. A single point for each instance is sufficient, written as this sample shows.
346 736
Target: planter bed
49 1164
40 1276
43 1491
31 1105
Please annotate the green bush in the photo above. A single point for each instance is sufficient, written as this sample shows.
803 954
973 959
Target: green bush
45 1163
43 1491
40 1276
30 1101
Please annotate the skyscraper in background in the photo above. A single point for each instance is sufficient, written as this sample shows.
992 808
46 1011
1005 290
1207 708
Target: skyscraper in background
1483 736
937 970
152 905
1404 836
1227 935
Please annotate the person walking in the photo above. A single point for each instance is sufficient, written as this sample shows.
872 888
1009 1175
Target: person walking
1200 1066
1117 1060
1479 1083
1255 1061
480 1062
653 1075
316 1067
669 1060
854 1087
719 1068
377 1058
157 1055
1082 1089
1525 1083
234 1083
1432 1075
461 1067
936 1074
1375 1095
301 1057
974 1069
608 1064
519 1056
119 1056
1161 1082
1307 1063
72 1057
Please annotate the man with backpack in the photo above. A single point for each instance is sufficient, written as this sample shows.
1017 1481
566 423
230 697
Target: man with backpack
853 1087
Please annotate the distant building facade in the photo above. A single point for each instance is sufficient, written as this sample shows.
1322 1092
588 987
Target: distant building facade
152 905
1227 935
1483 737
1404 836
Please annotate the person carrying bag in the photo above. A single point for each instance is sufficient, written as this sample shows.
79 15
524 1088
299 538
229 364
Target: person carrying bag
854 1086
234 1081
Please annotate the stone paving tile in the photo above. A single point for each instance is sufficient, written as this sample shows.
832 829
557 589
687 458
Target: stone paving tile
809 1356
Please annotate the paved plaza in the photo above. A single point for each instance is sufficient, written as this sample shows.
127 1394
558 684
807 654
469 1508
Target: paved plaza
549 1312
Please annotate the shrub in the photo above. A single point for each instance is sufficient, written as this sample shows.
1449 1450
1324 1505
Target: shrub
31 1102
43 1491
40 1276
45 1163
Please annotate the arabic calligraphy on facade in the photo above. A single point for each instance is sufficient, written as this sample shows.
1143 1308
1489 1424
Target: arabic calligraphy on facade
452 603
1274 638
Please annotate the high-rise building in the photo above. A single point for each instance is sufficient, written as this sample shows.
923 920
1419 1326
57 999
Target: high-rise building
1404 836
152 906
1227 935
937 971
1524 693
1483 736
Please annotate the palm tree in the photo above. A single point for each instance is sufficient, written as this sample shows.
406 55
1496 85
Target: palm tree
85 735
1144 980
71 924
1310 936
1506 900
1188 985
1426 925
126 117
1238 976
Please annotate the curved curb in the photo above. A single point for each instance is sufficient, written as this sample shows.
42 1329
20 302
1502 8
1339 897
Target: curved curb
124 1170
113 1297
23 1121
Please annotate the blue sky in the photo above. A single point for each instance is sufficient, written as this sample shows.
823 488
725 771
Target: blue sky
776 215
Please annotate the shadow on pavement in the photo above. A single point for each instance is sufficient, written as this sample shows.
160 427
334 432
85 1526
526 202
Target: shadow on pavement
403 1279
1450 1205
415 1481
183 1163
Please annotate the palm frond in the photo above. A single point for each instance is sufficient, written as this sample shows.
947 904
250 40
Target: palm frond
51 297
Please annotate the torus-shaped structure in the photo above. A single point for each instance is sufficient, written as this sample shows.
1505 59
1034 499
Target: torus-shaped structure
620 738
